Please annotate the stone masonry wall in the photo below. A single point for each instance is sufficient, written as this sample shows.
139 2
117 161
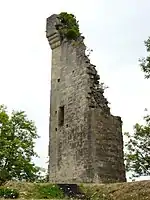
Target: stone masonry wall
86 143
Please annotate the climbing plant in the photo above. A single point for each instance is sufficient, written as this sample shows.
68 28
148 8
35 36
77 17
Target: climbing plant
69 27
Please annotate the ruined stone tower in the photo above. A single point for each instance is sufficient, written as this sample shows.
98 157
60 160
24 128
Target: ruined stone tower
86 143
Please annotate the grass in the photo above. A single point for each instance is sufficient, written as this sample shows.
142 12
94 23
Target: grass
118 191
36 190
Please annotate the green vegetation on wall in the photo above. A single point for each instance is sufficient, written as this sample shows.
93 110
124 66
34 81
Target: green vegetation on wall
69 27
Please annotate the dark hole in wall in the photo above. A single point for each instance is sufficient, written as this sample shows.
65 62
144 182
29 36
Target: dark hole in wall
72 191
58 79
92 106
61 116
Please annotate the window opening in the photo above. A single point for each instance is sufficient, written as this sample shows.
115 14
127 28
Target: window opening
61 116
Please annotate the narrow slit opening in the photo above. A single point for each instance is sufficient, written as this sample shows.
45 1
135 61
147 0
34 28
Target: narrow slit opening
61 116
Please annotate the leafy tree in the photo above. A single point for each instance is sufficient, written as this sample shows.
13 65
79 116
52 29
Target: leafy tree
137 154
145 62
17 135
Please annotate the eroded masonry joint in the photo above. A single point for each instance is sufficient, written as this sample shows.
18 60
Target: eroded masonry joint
85 139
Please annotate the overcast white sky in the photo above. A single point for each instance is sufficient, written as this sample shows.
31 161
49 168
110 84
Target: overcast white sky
114 29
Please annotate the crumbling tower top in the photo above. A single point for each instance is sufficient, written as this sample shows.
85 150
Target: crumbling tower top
62 27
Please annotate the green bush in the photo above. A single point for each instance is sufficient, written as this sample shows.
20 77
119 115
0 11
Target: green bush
48 191
70 26
8 193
